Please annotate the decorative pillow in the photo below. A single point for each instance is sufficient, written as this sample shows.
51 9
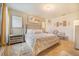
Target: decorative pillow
55 32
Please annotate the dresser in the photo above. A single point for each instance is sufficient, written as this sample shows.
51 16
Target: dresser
14 39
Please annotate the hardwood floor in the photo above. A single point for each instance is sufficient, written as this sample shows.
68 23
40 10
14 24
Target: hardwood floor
64 48
56 50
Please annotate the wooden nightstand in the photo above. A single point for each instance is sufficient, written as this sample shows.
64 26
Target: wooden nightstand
14 39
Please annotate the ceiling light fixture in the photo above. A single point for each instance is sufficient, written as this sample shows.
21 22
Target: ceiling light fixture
48 7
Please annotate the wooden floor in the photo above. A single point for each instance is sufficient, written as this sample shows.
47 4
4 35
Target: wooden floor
64 45
56 50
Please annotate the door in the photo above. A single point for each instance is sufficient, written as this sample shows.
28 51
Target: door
77 36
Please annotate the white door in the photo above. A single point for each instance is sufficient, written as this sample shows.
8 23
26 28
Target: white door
77 36
76 33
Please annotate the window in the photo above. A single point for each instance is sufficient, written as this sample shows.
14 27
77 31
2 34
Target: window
16 22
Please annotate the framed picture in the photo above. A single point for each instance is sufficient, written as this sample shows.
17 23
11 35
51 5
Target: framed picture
34 19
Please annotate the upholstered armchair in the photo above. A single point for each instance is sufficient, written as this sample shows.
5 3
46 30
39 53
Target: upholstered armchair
25 48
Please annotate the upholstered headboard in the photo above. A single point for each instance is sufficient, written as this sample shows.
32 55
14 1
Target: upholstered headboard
31 25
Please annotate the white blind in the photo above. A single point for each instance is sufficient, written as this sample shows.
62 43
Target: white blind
16 21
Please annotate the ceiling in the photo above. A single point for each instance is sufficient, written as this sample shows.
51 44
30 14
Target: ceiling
38 9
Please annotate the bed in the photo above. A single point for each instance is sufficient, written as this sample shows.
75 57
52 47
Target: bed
39 41
35 43
44 41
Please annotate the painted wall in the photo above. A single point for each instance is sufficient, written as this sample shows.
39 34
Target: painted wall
29 25
68 29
